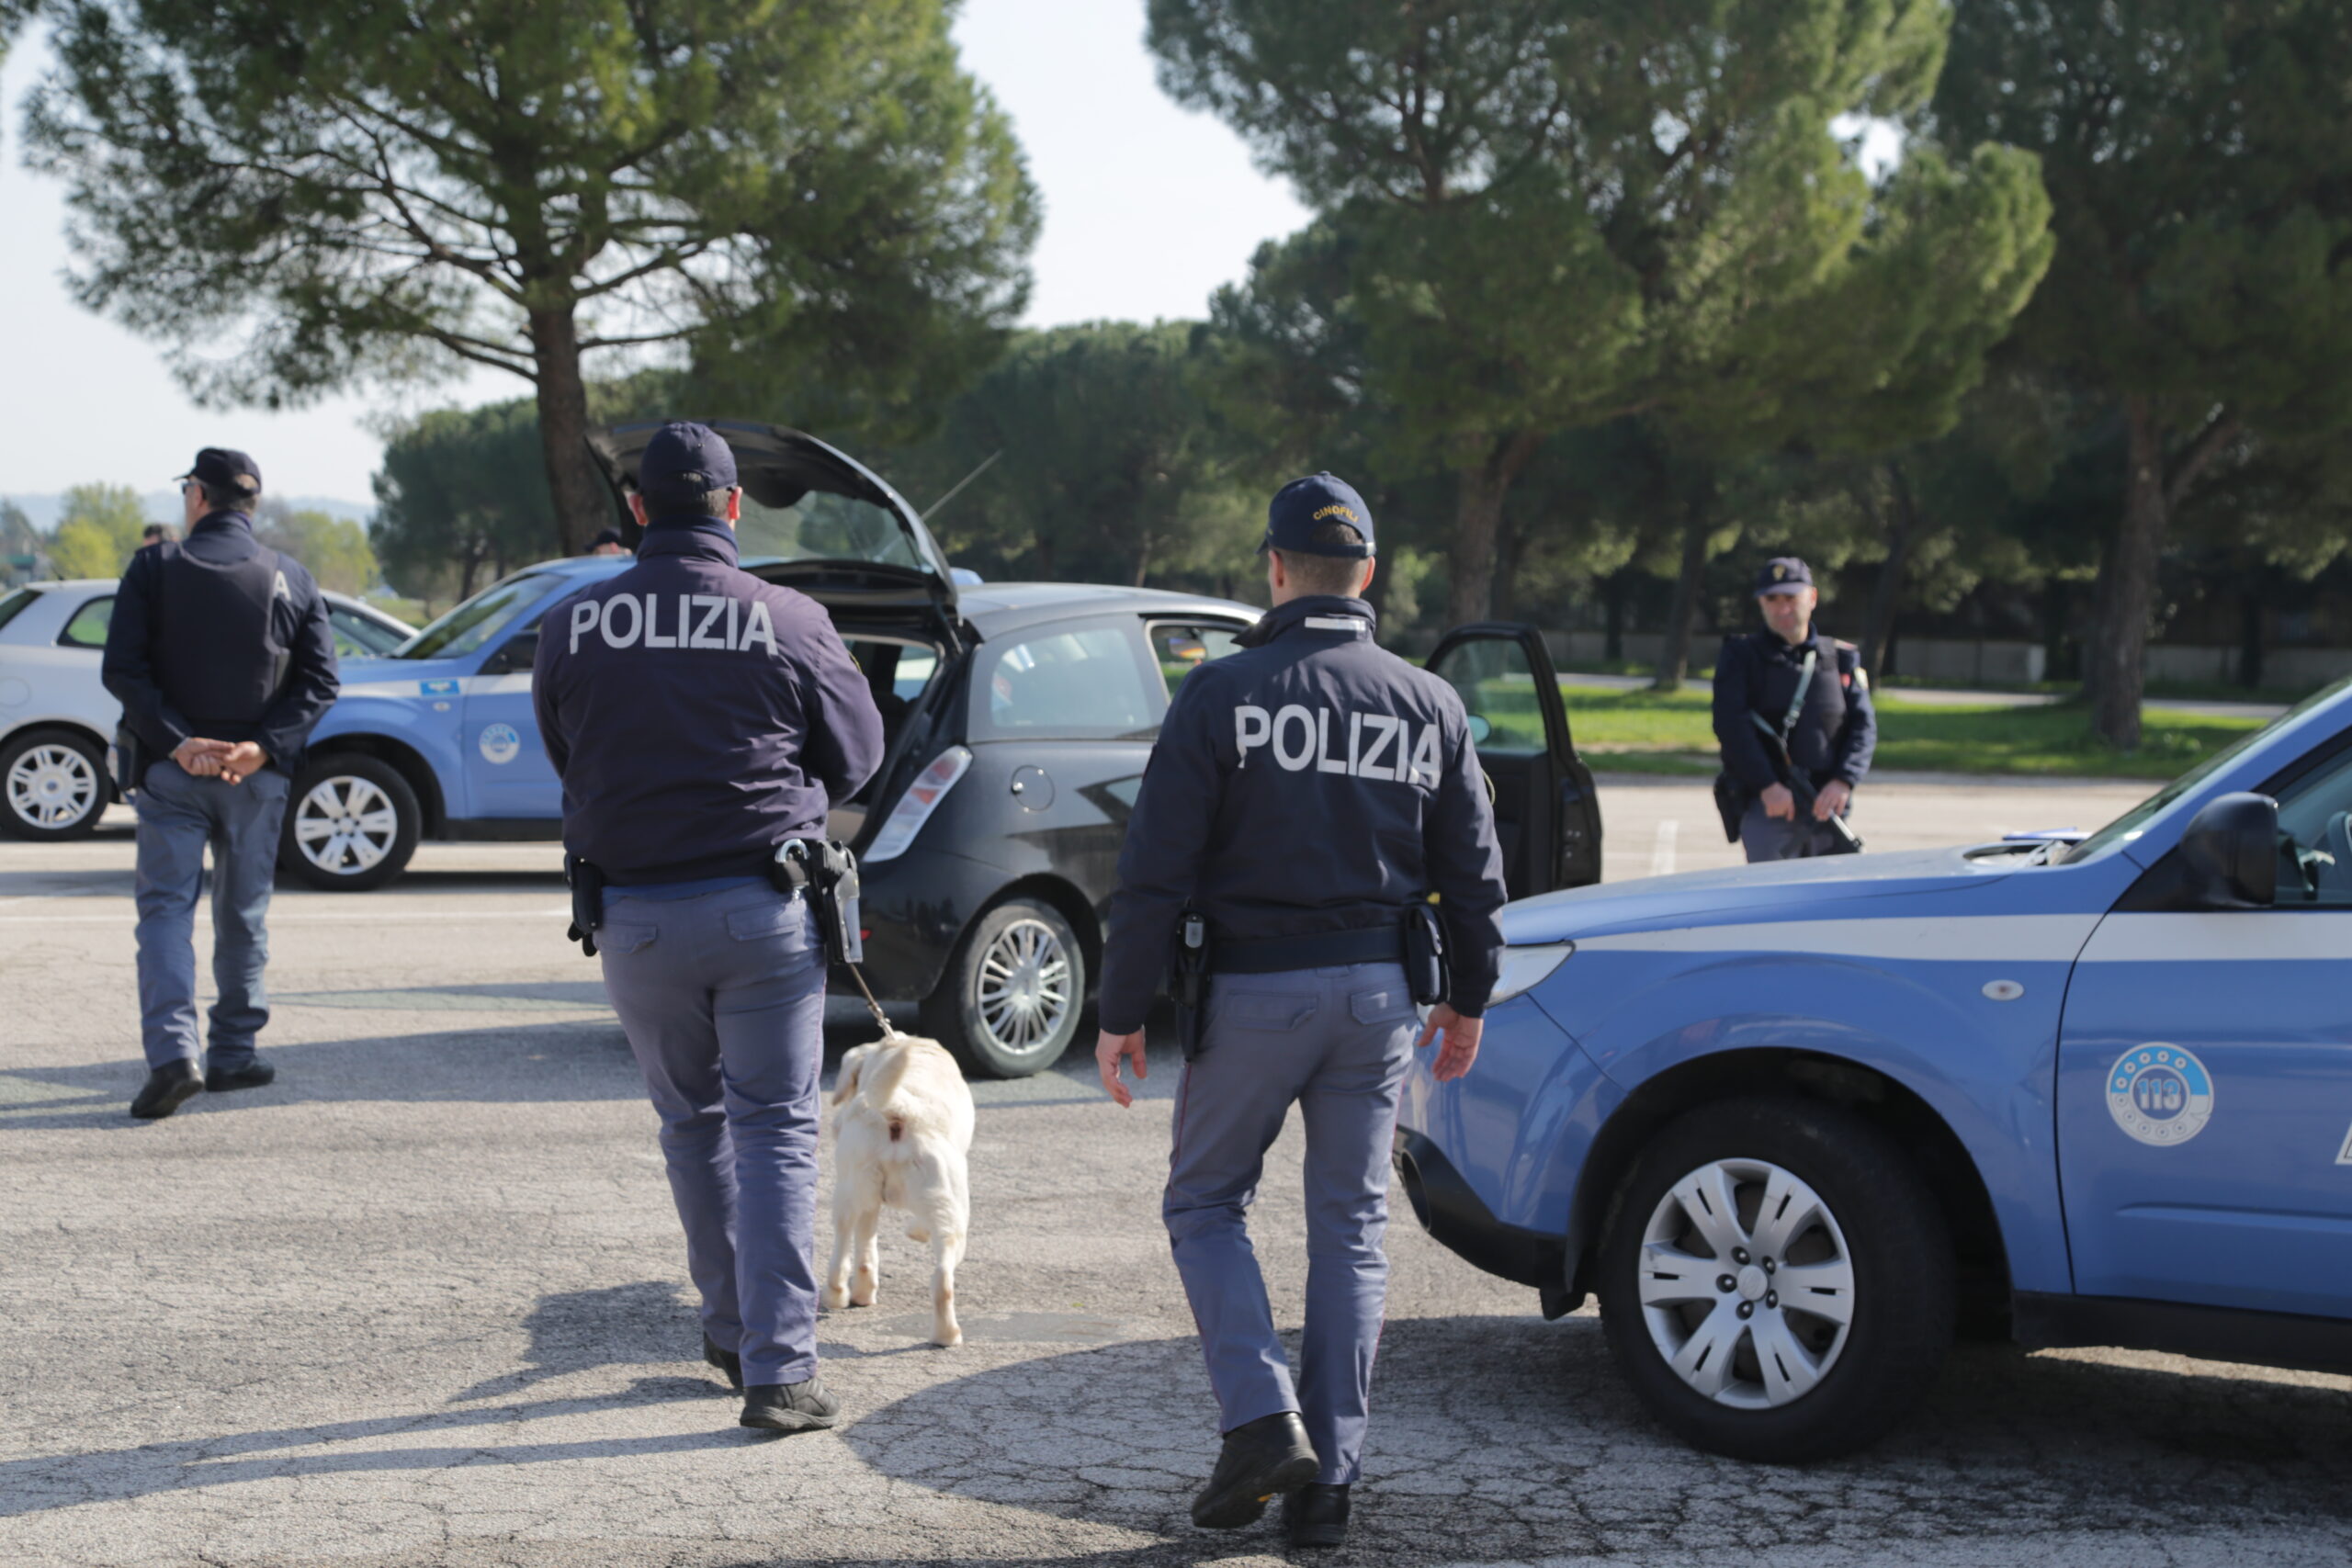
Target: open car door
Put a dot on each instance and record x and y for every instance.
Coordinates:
(1545, 812)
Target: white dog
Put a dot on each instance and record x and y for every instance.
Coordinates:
(902, 1128)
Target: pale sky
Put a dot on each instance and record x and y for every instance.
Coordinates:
(1147, 210)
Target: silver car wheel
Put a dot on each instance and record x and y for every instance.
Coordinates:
(1025, 990)
(53, 787)
(345, 825)
(1747, 1286)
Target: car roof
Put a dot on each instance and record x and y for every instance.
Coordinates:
(995, 608)
(88, 585)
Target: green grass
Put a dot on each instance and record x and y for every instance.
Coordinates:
(1642, 731)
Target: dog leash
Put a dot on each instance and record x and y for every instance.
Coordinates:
(889, 1030)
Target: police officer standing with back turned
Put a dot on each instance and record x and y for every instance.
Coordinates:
(221, 656)
(699, 718)
(1306, 796)
(1793, 714)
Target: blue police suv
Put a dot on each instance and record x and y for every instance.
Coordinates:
(1017, 720)
(1794, 1123)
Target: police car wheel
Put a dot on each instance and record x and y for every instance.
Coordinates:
(351, 824)
(1009, 1004)
(1778, 1283)
(52, 785)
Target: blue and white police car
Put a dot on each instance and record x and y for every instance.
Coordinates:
(1791, 1124)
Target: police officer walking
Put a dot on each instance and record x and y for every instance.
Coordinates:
(1793, 714)
(1307, 794)
(700, 718)
(221, 656)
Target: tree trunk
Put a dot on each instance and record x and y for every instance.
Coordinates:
(1613, 600)
(1902, 526)
(583, 502)
(1477, 526)
(1674, 657)
(2250, 630)
(2115, 669)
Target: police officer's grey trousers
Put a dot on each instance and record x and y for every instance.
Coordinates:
(1776, 838)
(1337, 1041)
(723, 997)
(179, 814)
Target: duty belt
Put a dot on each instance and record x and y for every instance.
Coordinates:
(1322, 949)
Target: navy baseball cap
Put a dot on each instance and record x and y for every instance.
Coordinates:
(1782, 574)
(682, 464)
(1304, 505)
(221, 468)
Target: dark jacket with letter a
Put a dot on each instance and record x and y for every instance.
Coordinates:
(1312, 782)
(222, 638)
(697, 716)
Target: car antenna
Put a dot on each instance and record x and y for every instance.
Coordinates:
(967, 478)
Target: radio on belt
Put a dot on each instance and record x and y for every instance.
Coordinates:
(829, 873)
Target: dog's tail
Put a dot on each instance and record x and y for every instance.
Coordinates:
(885, 1086)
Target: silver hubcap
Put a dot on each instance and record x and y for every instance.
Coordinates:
(1024, 987)
(345, 825)
(53, 787)
(1746, 1287)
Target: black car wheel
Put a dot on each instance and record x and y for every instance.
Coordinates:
(1778, 1283)
(351, 824)
(1009, 1003)
(52, 785)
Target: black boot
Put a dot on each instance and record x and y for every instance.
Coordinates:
(802, 1406)
(252, 1074)
(727, 1361)
(1260, 1458)
(166, 1089)
(1316, 1515)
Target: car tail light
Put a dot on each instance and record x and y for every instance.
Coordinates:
(915, 807)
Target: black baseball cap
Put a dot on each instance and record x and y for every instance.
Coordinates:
(682, 463)
(218, 468)
(1302, 506)
(1782, 574)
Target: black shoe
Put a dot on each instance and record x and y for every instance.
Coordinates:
(727, 1361)
(802, 1406)
(1316, 1515)
(252, 1074)
(1260, 1458)
(166, 1089)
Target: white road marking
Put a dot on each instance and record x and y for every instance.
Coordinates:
(1662, 848)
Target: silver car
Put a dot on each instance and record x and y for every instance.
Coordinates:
(57, 717)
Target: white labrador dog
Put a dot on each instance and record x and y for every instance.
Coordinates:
(902, 1131)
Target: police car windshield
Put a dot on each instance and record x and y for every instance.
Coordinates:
(2126, 827)
(478, 619)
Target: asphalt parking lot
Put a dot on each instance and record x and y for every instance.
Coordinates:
(423, 1302)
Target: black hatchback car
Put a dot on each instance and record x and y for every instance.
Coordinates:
(1019, 716)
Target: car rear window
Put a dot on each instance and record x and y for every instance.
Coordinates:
(15, 605)
(1083, 681)
(88, 626)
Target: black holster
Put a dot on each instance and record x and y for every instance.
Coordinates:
(1191, 974)
(827, 870)
(586, 881)
(1428, 972)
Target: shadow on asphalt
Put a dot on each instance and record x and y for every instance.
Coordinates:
(1492, 1438)
(529, 1052)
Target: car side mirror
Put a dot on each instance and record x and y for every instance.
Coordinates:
(2230, 853)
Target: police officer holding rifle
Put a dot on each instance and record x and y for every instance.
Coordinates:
(1793, 714)
(1312, 851)
(701, 722)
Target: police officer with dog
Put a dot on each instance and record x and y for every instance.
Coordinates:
(1793, 714)
(1313, 854)
(701, 722)
(223, 657)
